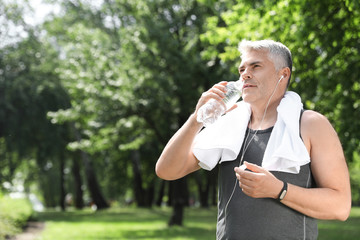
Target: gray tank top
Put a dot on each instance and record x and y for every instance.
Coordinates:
(265, 218)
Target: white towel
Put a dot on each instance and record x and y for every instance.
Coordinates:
(285, 150)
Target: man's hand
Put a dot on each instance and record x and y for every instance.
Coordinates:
(217, 92)
(258, 182)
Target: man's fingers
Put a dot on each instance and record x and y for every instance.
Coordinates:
(217, 91)
(253, 167)
(219, 86)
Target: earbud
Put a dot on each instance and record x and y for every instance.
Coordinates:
(281, 78)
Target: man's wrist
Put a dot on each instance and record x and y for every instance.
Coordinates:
(194, 122)
(283, 191)
(194, 119)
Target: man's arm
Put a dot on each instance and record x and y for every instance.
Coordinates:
(177, 158)
(331, 199)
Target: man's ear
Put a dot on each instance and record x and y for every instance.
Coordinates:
(285, 72)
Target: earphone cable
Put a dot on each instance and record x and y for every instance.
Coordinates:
(246, 147)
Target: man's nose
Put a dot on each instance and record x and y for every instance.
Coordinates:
(246, 74)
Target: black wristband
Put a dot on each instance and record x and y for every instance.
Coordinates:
(283, 192)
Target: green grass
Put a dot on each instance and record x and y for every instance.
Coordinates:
(138, 223)
(348, 230)
(127, 223)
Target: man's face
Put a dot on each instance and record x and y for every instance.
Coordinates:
(259, 76)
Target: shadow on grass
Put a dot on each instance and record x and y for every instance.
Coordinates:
(109, 215)
(128, 223)
(125, 214)
(168, 233)
(138, 223)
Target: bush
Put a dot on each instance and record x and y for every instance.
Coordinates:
(14, 213)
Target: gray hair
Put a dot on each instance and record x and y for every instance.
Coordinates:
(278, 53)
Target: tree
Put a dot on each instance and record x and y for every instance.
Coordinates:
(166, 51)
(29, 92)
(103, 87)
(325, 45)
(114, 63)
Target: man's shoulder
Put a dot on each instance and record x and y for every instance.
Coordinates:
(316, 130)
(312, 122)
(311, 116)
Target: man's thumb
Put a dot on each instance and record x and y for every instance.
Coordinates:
(253, 167)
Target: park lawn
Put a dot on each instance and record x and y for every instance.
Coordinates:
(348, 230)
(127, 223)
(139, 223)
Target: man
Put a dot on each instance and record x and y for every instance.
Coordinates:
(293, 169)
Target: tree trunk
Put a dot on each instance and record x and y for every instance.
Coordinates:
(161, 193)
(138, 188)
(92, 183)
(170, 195)
(150, 192)
(213, 184)
(78, 199)
(177, 215)
(180, 196)
(62, 183)
(207, 182)
(203, 182)
(143, 196)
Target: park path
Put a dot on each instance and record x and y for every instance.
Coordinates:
(31, 231)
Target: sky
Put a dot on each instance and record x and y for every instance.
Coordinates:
(33, 15)
(41, 10)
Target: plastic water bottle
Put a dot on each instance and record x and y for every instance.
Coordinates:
(212, 110)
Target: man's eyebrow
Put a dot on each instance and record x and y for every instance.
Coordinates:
(250, 64)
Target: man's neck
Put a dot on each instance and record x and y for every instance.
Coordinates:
(261, 121)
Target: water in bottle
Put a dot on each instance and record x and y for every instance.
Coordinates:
(212, 110)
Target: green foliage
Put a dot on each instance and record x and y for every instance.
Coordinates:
(324, 39)
(14, 213)
(131, 85)
(121, 77)
(355, 179)
(29, 88)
